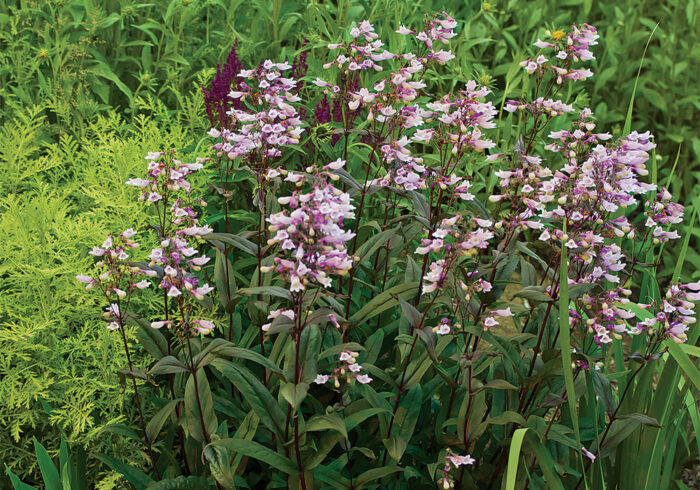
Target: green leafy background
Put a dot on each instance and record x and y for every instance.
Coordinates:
(88, 87)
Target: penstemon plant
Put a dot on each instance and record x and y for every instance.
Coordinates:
(404, 298)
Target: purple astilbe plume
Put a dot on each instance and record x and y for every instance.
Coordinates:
(299, 69)
(216, 98)
(300, 65)
(322, 113)
(310, 232)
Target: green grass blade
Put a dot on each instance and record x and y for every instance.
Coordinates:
(565, 346)
(685, 363)
(630, 108)
(673, 169)
(513, 457)
(686, 240)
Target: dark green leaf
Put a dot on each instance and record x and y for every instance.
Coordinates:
(200, 419)
(239, 242)
(534, 293)
(49, 473)
(168, 365)
(156, 423)
(256, 395)
(294, 394)
(225, 278)
(326, 422)
(375, 474)
(135, 476)
(258, 451)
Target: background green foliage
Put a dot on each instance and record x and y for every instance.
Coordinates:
(88, 87)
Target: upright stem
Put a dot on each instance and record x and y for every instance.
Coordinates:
(261, 224)
(138, 402)
(171, 380)
(297, 378)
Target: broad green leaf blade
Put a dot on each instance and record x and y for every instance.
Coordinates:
(200, 419)
(258, 451)
(49, 472)
(17, 484)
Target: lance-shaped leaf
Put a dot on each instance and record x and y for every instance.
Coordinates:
(49, 473)
(150, 338)
(405, 421)
(135, 476)
(294, 393)
(159, 419)
(375, 474)
(219, 458)
(221, 348)
(168, 365)
(255, 394)
(239, 242)
(199, 407)
(534, 293)
(326, 422)
(383, 302)
(225, 279)
(267, 290)
(255, 450)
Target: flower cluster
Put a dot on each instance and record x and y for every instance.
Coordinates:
(438, 29)
(461, 242)
(311, 230)
(663, 213)
(348, 369)
(676, 314)
(490, 320)
(396, 119)
(463, 119)
(596, 181)
(275, 121)
(452, 460)
(362, 53)
(217, 99)
(165, 175)
(606, 315)
(460, 122)
(279, 313)
(565, 49)
(176, 258)
(115, 277)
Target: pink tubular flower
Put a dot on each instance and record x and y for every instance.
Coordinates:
(588, 454)
(175, 260)
(204, 326)
(452, 460)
